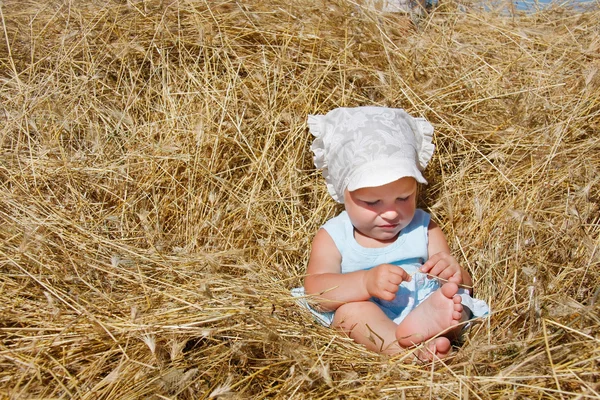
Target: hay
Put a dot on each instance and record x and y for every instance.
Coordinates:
(157, 195)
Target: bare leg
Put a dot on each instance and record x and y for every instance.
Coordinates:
(366, 323)
(439, 312)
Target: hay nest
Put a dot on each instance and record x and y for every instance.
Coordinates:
(158, 199)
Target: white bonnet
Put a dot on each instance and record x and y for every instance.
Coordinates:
(369, 146)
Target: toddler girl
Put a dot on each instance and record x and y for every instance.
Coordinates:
(382, 271)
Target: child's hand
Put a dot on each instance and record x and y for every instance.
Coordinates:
(383, 281)
(445, 266)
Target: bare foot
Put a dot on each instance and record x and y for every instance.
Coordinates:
(437, 348)
(437, 313)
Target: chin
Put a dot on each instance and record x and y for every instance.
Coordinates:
(386, 235)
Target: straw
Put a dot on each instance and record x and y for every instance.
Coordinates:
(158, 198)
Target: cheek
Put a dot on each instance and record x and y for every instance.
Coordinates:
(363, 215)
(408, 209)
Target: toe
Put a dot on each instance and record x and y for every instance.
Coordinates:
(449, 289)
(437, 348)
(440, 346)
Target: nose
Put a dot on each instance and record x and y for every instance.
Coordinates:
(389, 214)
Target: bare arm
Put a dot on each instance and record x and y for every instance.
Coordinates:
(324, 277)
(441, 263)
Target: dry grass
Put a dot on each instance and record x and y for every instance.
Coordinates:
(158, 199)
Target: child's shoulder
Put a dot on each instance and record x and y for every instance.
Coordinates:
(420, 213)
(339, 222)
(420, 219)
(340, 229)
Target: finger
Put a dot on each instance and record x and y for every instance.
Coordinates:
(433, 261)
(386, 285)
(400, 273)
(453, 270)
(448, 272)
(387, 296)
(393, 279)
(392, 288)
(456, 278)
(443, 269)
(430, 263)
(397, 279)
(439, 268)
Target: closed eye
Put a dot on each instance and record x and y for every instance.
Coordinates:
(371, 203)
(402, 198)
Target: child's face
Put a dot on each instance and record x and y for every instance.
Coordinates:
(381, 212)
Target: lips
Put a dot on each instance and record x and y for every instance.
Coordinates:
(388, 226)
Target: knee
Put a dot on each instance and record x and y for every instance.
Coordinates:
(347, 315)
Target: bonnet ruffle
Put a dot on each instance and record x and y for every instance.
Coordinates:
(323, 128)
